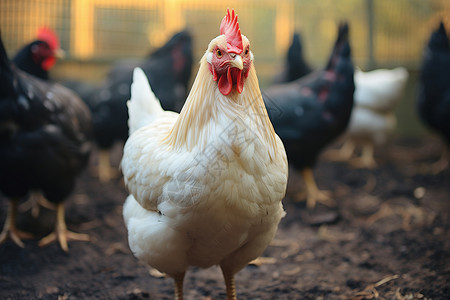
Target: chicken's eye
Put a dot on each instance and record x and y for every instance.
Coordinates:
(219, 53)
(246, 51)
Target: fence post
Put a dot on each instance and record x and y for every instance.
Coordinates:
(371, 63)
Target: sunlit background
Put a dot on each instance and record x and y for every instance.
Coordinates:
(95, 33)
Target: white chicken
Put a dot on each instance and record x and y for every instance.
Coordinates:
(205, 185)
(372, 120)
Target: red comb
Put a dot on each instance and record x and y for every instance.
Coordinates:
(47, 35)
(230, 27)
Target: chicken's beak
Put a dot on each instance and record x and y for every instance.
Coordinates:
(237, 62)
(60, 53)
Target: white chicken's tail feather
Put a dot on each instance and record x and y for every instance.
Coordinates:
(143, 107)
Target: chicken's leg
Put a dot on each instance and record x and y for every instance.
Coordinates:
(342, 154)
(10, 229)
(179, 279)
(229, 284)
(61, 233)
(366, 159)
(105, 172)
(313, 193)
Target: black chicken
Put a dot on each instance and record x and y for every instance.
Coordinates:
(45, 132)
(309, 113)
(433, 103)
(37, 57)
(295, 66)
(168, 70)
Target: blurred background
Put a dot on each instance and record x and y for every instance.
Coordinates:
(96, 33)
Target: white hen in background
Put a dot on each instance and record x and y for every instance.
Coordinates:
(376, 95)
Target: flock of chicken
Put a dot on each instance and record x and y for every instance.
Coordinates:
(206, 176)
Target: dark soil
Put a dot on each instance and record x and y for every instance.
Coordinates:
(387, 238)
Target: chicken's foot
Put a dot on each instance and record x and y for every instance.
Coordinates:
(366, 160)
(10, 230)
(315, 195)
(61, 233)
(342, 154)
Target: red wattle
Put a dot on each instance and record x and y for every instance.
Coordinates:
(239, 82)
(48, 63)
(225, 83)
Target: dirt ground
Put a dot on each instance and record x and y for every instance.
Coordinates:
(387, 238)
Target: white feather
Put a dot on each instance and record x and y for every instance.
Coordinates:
(376, 94)
(379, 89)
(143, 107)
(368, 124)
(150, 237)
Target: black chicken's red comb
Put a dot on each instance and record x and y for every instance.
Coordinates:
(47, 35)
(230, 27)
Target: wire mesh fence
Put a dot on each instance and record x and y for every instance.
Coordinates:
(383, 32)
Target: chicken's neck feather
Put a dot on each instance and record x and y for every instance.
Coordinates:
(205, 105)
